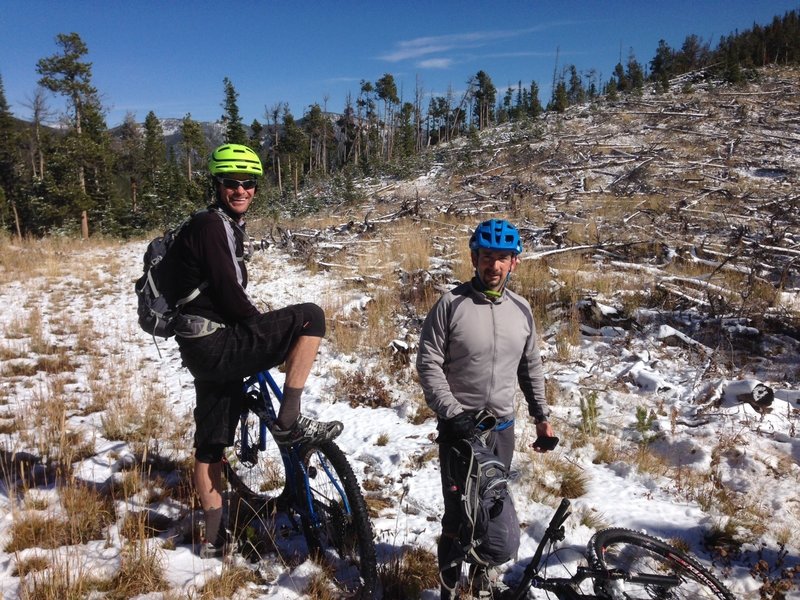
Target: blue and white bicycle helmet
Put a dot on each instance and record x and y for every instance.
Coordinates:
(496, 234)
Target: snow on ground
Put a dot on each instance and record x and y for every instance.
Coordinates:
(760, 460)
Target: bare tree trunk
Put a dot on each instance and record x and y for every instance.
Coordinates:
(133, 193)
(32, 156)
(85, 225)
(16, 221)
(418, 114)
(325, 134)
(40, 113)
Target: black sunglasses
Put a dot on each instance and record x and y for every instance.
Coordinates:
(233, 184)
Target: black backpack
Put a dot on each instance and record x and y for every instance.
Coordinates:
(489, 532)
(156, 315)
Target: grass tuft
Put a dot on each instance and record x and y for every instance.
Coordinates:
(409, 573)
(231, 580)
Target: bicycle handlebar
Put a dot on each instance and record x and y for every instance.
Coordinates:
(554, 532)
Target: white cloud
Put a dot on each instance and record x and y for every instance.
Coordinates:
(411, 49)
(425, 46)
(435, 63)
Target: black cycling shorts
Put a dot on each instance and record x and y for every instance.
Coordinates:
(220, 361)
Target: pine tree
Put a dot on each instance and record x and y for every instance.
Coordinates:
(83, 147)
(320, 135)
(273, 146)
(485, 98)
(662, 66)
(254, 139)
(560, 100)
(66, 74)
(99, 159)
(439, 114)
(347, 129)
(534, 105)
(293, 147)
(693, 55)
(622, 83)
(155, 148)
(234, 130)
(634, 72)
(386, 90)
(8, 167)
(406, 135)
(575, 93)
(507, 112)
(154, 194)
(193, 154)
(367, 148)
(130, 157)
(193, 146)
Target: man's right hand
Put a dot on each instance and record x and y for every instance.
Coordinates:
(460, 427)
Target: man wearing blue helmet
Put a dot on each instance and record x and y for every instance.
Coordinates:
(478, 341)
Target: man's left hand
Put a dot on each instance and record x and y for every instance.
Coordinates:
(543, 430)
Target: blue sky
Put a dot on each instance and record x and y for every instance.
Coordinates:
(171, 57)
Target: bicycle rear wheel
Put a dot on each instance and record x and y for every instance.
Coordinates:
(256, 477)
(342, 540)
(644, 559)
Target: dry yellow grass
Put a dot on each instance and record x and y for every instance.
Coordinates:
(50, 257)
(409, 573)
(141, 571)
(61, 581)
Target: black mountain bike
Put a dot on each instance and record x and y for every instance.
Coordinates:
(312, 484)
(622, 565)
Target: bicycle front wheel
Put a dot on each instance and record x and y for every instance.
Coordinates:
(649, 567)
(340, 536)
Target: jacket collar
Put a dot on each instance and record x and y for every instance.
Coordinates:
(481, 292)
(221, 208)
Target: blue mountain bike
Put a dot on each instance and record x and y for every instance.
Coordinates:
(312, 484)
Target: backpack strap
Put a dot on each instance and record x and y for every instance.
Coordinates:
(193, 326)
(199, 289)
(246, 245)
(192, 295)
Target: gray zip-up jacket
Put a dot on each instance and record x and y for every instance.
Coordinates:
(473, 350)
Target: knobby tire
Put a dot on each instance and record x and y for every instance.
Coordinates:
(343, 542)
(639, 554)
(265, 477)
(258, 483)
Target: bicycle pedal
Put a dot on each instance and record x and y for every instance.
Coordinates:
(249, 457)
(209, 550)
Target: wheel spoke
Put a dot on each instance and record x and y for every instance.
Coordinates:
(641, 566)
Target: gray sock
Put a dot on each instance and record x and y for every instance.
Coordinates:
(290, 407)
(213, 522)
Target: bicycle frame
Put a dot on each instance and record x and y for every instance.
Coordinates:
(555, 533)
(292, 464)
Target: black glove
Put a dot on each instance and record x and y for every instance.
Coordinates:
(460, 427)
